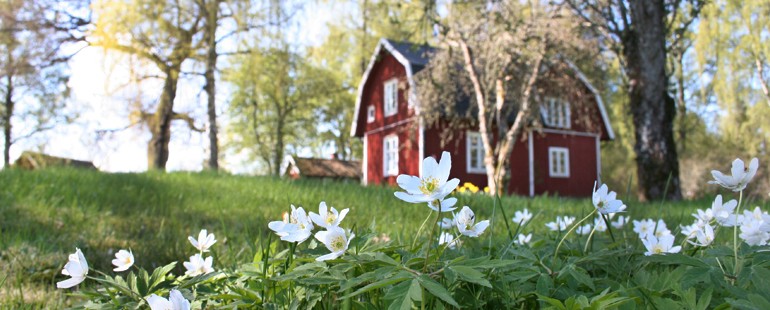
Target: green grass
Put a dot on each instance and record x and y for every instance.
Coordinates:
(44, 215)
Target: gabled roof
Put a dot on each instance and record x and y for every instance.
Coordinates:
(323, 168)
(32, 161)
(415, 57)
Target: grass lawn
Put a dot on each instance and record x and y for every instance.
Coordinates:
(44, 215)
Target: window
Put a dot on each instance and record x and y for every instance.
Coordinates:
(390, 99)
(558, 162)
(556, 113)
(370, 114)
(390, 155)
(474, 152)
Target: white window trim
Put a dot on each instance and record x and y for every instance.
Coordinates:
(390, 110)
(552, 151)
(468, 165)
(563, 110)
(386, 171)
(370, 114)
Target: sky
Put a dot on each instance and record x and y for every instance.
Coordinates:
(102, 134)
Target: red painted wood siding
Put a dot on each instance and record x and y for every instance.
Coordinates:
(582, 164)
(400, 124)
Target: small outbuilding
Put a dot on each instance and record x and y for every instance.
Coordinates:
(318, 168)
(34, 161)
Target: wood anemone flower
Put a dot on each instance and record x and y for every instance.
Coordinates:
(76, 268)
(465, 220)
(605, 201)
(741, 175)
(123, 260)
(204, 241)
(336, 240)
(433, 185)
(328, 217)
(175, 301)
(296, 228)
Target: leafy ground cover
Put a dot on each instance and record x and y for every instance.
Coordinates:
(44, 215)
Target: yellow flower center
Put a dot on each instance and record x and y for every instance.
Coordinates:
(127, 260)
(338, 243)
(657, 249)
(429, 185)
(331, 218)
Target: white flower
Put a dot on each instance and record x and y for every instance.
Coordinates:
(198, 266)
(123, 260)
(690, 231)
(560, 224)
(752, 232)
(620, 222)
(522, 217)
(605, 202)
(723, 213)
(76, 268)
(204, 241)
(336, 240)
(297, 229)
(175, 301)
(447, 223)
(662, 230)
(523, 239)
(465, 220)
(704, 215)
(660, 245)
(448, 239)
(583, 230)
(431, 186)
(644, 227)
(704, 235)
(600, 224)
(326, 218)
(741, 175)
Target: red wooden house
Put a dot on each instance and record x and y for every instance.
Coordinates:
(560, 157)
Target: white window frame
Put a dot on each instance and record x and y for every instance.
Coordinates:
(478, 149)
(390, 97)
(390, 155)
(370, 114)
(556, 113)
(554, 154)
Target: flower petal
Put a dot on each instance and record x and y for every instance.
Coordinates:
(412, 198)
(409, 183)
(70, 282)
(429, 167)
(444, 165)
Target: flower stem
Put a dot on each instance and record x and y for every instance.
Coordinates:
(576, 225)
(430, 237)
(419, 231)
(735, 234)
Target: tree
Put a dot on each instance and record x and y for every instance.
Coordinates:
(636, 31)
(163, 33)
(33, 37)
(273, 104)
(502, 49)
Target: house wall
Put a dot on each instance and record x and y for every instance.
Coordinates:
(400, 124)
(582, 164)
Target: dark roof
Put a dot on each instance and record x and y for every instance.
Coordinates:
(327, 168)
(418, 55)
(33, 161)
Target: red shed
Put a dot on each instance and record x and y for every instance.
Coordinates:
(560, 157)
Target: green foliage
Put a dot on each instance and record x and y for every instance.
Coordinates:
(46, 213)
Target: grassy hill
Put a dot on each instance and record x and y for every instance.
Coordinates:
(44, 215)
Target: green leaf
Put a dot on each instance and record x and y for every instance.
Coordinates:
(676, 259)
(415, 291)
(398, 277)
(471, 275)
(555, 303)
(437, 290)
(695, 275)
(580, 275)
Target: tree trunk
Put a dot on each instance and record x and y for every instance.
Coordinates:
(7, 126)
(652, 107)
(278, 153)
(211, 67)
(160, 124)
